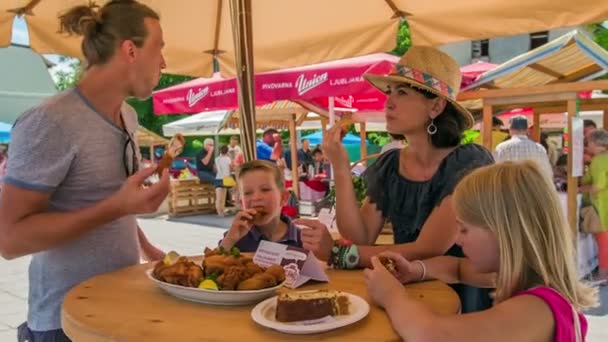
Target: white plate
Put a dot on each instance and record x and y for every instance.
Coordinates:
(264, 314)
(205, 296)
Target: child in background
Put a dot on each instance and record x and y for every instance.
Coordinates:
(516, 238)
(263, 195)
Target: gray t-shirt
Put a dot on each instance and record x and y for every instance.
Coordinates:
(65, 148)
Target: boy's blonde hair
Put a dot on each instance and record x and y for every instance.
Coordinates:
(521, 207)
(263, 165)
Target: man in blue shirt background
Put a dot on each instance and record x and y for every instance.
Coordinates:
(268, 145)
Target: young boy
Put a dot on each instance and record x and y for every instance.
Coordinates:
(263, 195)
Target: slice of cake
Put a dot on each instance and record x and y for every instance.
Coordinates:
(309, 305)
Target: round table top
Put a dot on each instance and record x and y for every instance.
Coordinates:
(127, 306)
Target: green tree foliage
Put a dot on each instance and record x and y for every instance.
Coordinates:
(65, 79)
(404, 39)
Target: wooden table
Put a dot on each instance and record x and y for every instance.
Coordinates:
(126, 306)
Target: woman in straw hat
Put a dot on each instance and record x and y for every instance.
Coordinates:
(410, 187)
(514, 233)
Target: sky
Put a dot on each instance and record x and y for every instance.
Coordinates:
(20, 36)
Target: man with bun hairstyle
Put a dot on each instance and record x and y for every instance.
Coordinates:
(75, 211)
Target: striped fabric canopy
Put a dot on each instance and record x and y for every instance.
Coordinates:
(570, 58)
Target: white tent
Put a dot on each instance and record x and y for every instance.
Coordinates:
(24, 81)
(206, 123)
(211, 123)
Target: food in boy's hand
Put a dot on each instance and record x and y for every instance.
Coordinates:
(221, 269)
(388, 263)
(260, 213)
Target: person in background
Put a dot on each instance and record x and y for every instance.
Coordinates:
(70, 195)
(397, 141)
(233, 148)
(223, 165)
(520, 147)
(269, 148)
(305, 154)
(550, 147)
(498, 135)
(318, 161)
(560, 173)
(205, 162)
(516, 238)
(596, 181)
(263, 193)
(588, 127)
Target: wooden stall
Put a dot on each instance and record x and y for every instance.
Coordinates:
(547, 79)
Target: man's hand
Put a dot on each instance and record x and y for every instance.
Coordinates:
(134, 198)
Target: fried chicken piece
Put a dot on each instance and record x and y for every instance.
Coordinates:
(214, 264)
(277, 272)
(252, 269)
(231, 277)
(210, 252)
(183, 272)
(257, 282)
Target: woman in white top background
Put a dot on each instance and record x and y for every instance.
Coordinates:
(223, 165)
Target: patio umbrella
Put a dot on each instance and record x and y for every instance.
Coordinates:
(342, 79)
(291, 33)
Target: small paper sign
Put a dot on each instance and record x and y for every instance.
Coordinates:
(300, 265)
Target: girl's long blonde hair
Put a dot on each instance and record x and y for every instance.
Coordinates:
(519, 205)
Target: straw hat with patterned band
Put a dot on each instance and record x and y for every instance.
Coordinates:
(429, 69)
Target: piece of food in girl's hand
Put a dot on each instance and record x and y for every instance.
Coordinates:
(388, 263)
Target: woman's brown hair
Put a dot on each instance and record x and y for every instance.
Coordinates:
(103, 29)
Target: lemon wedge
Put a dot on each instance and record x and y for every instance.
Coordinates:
(208, 284)
(171, 258)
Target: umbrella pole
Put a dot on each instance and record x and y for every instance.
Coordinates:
(295, 172)
(240, 11)
(332, 113)
(363, 136)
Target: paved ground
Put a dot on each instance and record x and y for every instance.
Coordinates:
(188, 239)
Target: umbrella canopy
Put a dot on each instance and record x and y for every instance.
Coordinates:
(313, 82)
(5, 133)
(292, 33)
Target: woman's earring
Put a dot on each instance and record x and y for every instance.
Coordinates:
(431, 129)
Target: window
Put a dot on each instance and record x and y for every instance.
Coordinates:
(480, 50)
(538, 39)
